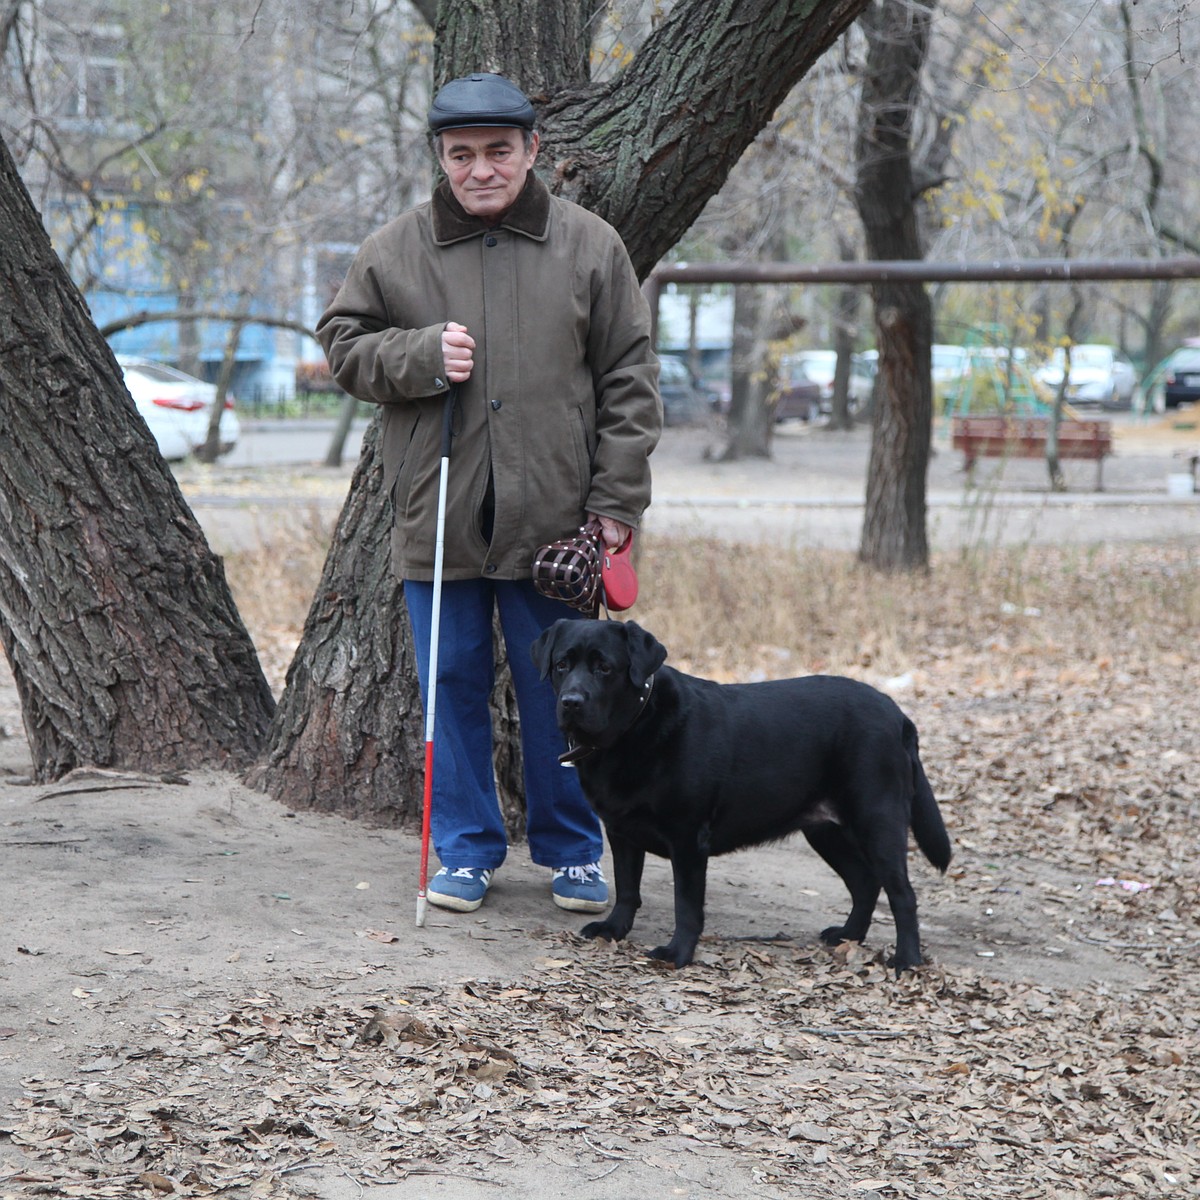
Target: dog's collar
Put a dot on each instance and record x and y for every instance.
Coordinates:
(579, 750)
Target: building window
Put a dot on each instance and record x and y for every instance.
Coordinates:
(94, 76)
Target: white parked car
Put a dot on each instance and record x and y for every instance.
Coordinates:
(176, 407)
(949, 365)
(819, 366)
(1100, 375)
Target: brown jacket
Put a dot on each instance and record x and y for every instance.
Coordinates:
(562, 409)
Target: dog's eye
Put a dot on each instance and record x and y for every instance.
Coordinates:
(602, 668)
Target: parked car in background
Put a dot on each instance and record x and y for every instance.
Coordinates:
(1181, 377)
(819, 366)
(950, 364)
(176, 407)
(684, 401)
(798, 398)
(1099, 376)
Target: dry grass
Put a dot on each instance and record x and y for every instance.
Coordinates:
(752, 612)
(749, 612)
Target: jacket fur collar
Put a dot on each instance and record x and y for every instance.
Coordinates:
(530, 214)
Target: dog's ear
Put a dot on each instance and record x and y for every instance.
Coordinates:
(542, 650)
(646, 653)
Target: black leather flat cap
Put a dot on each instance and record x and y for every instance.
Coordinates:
(480, 99)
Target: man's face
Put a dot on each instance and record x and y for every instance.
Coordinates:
(487, 167)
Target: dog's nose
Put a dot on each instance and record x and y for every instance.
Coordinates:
(570, 703)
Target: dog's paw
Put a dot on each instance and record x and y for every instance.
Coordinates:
(678, 956)
(833, 936)
(603, 929)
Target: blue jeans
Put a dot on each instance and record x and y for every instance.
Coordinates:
(466, 825)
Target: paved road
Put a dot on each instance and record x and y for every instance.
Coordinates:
(810, 493)
(281, 443)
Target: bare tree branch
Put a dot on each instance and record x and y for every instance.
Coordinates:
(134, 320)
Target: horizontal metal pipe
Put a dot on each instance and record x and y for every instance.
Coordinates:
(1032, 270)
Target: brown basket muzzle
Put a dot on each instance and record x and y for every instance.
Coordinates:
(569, 570)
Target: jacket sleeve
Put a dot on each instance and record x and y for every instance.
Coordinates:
(369, 357)
(629, 414)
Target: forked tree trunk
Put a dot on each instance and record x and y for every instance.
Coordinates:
(349, 732)
(122, 636)
(894, 534)
(646, 153)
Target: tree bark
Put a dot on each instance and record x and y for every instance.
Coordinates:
(122, 636)
(341, 431)
(648, 150)
(750, 422)
(348, 733)
(894, 534)
(845, 333)
(646, 153)
(210, 450)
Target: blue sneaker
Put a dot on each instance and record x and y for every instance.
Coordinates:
(462, 889)
(580, 889)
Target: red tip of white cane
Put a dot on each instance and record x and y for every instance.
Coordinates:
(421, 902)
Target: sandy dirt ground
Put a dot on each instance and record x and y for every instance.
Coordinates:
(202, 993)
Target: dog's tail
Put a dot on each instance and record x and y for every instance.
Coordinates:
(927, 825)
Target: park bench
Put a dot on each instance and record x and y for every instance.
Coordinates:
(1025, 437)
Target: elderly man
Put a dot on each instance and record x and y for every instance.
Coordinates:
(530, 305)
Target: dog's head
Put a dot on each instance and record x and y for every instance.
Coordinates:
(600, 671)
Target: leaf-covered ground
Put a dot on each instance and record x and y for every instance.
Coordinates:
(1050, 1049)
(819, 1070)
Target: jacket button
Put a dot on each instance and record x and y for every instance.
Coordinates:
(490, 240)
(439, 384)
(490, 569)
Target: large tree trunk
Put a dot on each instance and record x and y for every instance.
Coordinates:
(122, 636)
(349, 732)
(646, 152)
(894, 534)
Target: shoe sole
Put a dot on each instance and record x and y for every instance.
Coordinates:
(454, 903)
(571, 904)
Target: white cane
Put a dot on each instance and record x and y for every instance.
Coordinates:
(434, 633)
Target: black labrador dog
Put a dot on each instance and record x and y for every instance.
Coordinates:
(685, 768)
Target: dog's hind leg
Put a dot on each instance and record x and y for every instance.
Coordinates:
(837, 848)
(903, 901)
(628, 862)
(887, 851)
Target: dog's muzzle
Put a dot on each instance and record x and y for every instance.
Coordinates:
(577, 749)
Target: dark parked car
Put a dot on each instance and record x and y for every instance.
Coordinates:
(1181, 381)
(799, 395)
(685, 402)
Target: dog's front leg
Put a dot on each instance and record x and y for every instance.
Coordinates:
(690, 869)
(628, 861)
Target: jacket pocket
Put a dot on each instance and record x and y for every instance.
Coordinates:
(405, 465)
(584, 452)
